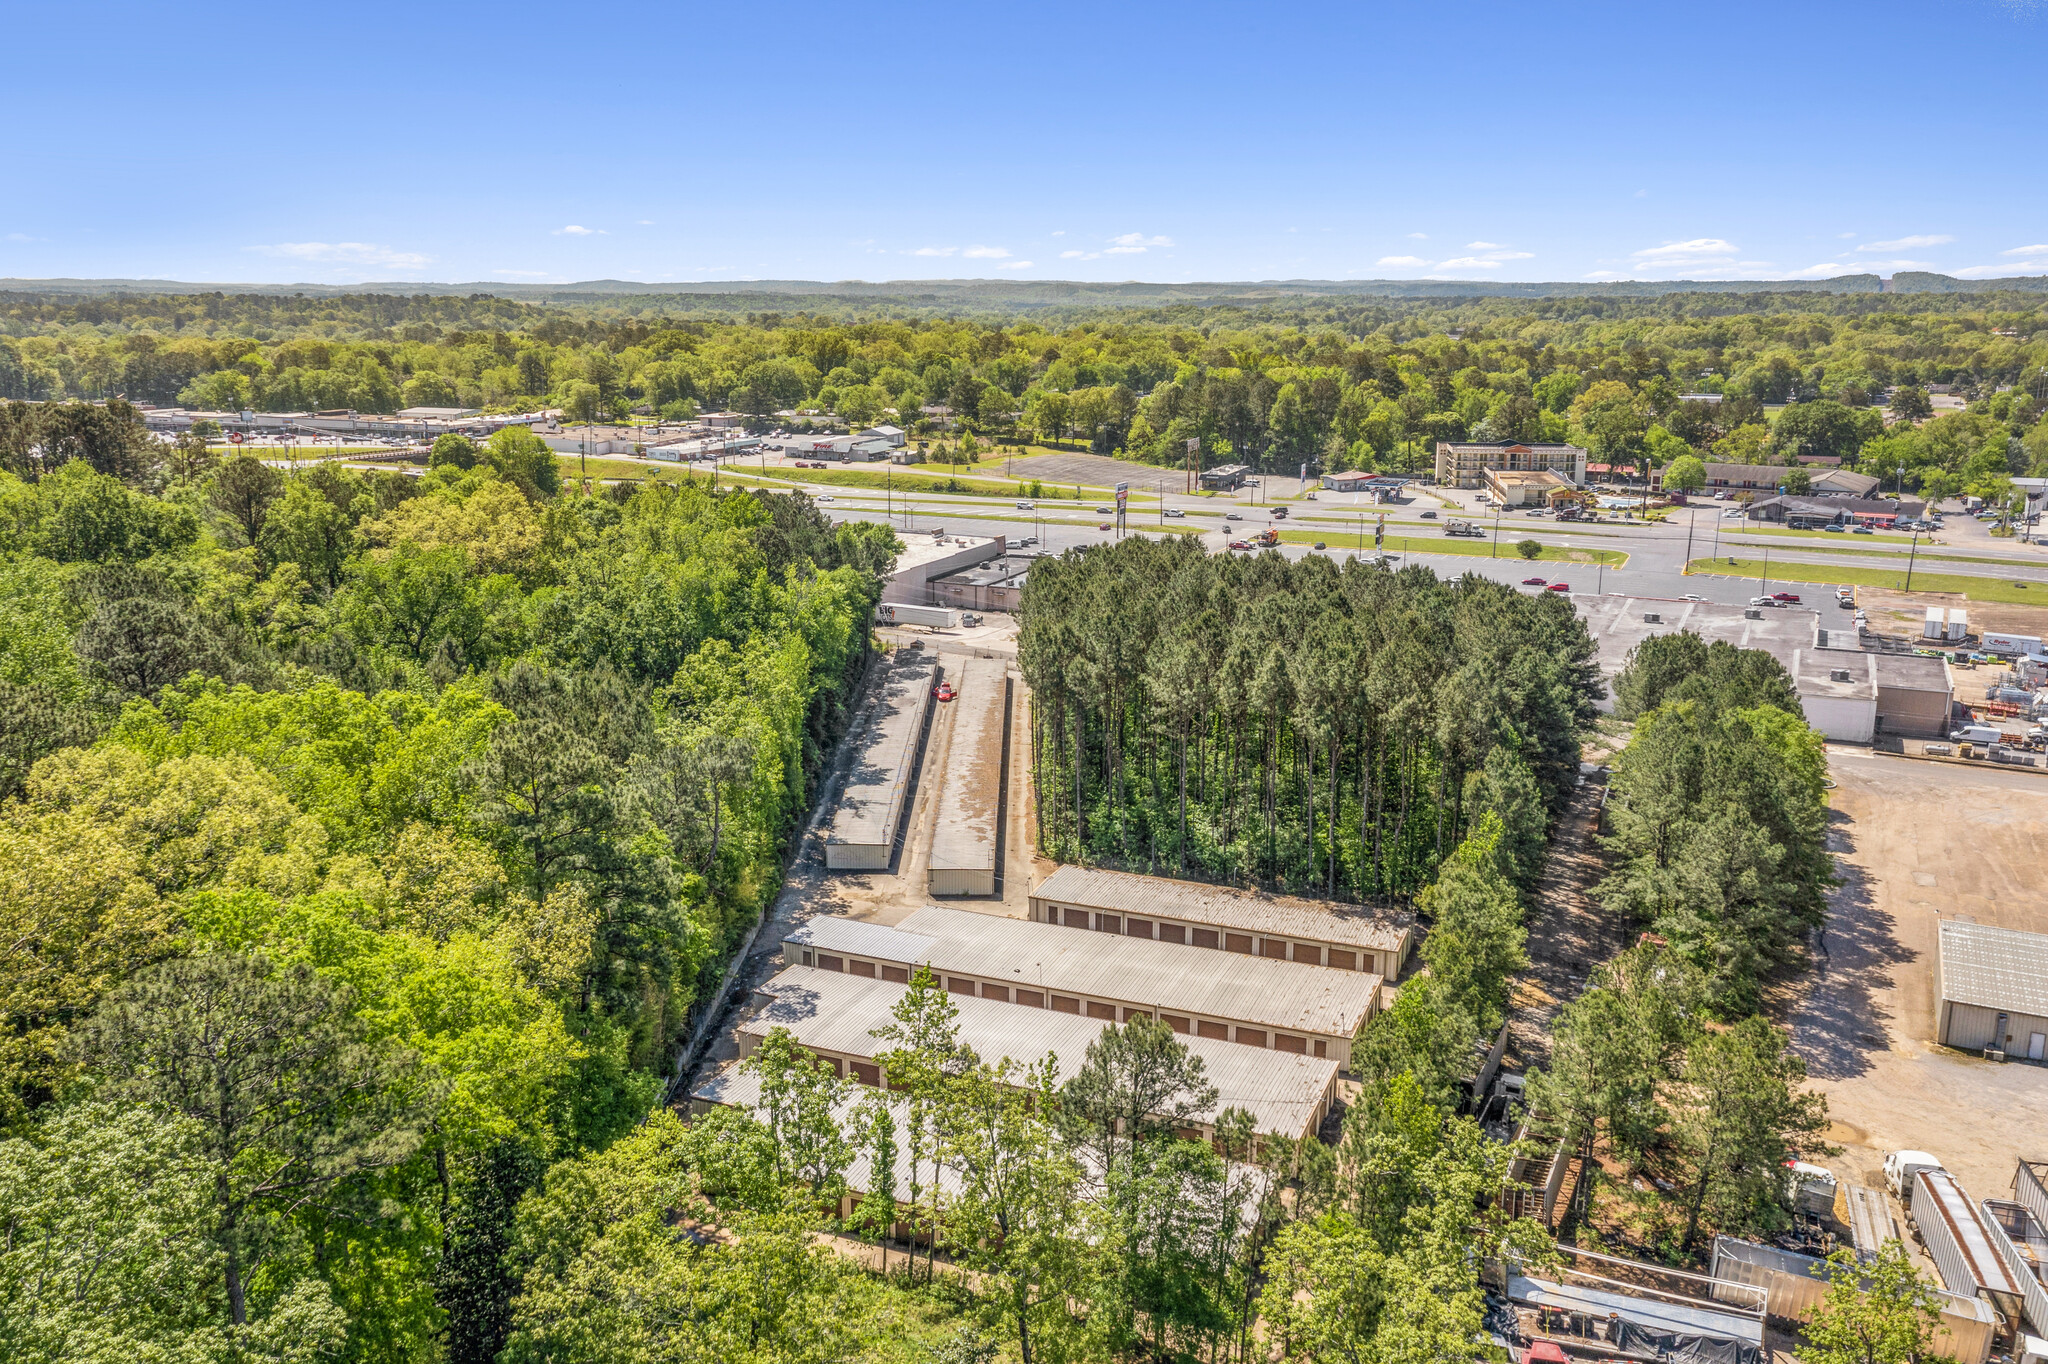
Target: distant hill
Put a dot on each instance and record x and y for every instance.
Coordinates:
(1042, 293)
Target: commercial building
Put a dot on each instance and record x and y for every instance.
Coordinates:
(1225, 478)
(1307, 1010)
(997, 585)
(868, 816)
(1992, 990)
(1358, 481)
(1849, 694)
(836, 1016)
(892, 435)
(926, 560)
(967, 818)
(1464, 464)
(1534, 487)
(1811, 511)
(1275, 927)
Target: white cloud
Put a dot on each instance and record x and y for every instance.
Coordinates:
(2016, 267)
(578, 230)
(2026, 251)
(1418, 236)
(934, 251)
(1604, 274)
(1080, 255)
(1061, 233)
(1906, 243)
(1015, 265)
(1406, 262)
(1844, 236)
(1468, 263)
(1138, 241)
(1123, 251)
(1482, 246)
(644, 222)
(19, 237)
(1825, 270)
(346, 253)
(986, 253)
(1680, 253)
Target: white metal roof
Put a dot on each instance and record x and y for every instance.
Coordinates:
(880, 773)
(970, 791)
(1994, 968)
(831, 1011)
(1194, 980)
(1965, 1222)
(1226, 907)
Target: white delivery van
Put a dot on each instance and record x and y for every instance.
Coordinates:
(1901, 1166)
(1974, 734)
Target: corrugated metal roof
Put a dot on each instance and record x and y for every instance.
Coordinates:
(1226, 907)
(872, 798)
(964, 829)
(834, 1012)
(1994, 968)
(1965, 1225)
(1106, 966)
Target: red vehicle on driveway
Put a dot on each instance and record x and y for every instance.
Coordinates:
(1786, 596)
(944, 691)
(1560, 587)
(1535, 582)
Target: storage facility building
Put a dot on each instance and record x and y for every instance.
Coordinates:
(835, 1016)
(1993, 990)
(869, 813)
(1278, 927)
(1308, 1010)
(966, 818)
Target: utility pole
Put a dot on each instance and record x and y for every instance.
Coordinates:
(1496, 534)
(1911, 555)
(1688, 539)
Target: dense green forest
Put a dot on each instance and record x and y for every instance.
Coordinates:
(1332, 382)
(1305, 725)
(365, 843)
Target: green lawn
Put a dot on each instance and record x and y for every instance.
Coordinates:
(1458, 545)
(1820, 536)
(1975, 588)
(1898, 551)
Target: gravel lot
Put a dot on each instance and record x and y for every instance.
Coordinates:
(1914, 842)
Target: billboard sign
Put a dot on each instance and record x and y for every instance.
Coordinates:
(1123, 502)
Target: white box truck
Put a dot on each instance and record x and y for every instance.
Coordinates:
(2010, 646)
(1901, 1166)
(902, 613)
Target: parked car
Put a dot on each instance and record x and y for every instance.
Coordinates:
(1027, 506)
(1765, 601)
(1429, 516)
(1320, 545)
(1559, 587)
(1833, 528)
(1861, 530)
(1692, 596)
(943, 692)
(1240, 544)
(1786, 596)
(1535, 582)
(1107, 525)
(1174, 512)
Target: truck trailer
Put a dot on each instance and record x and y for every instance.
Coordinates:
(1960, 1240)
(902, 613)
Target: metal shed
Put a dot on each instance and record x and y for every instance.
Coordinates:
(1993, 990)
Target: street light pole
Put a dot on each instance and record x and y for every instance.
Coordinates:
(1911, 555)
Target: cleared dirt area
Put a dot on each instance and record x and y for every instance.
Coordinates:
(1915, 842)
(1099, 471)
(1902, 613)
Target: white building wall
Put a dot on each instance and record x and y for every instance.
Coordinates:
(1844, 719)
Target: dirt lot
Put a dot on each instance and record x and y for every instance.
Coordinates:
(1900, 613)
(1916, 842)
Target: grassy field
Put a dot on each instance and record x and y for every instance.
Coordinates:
(1821, 536)
(1925, 555)
(1459, 546)
(2004, 590)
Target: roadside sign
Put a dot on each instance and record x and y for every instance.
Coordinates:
(1379, 532)
(235, 437)
(1123, 502)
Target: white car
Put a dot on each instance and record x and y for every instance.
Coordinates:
(826, 497)
(1027, 506)
(1175, 511)
(1765, 601)
(1692, 596)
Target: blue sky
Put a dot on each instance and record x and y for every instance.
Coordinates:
(514, 142)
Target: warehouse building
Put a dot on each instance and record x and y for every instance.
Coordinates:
(1308, 1010)
(1993, 990)
(868, 816)
(967, 819)
(1277, 927)
(835, 1016)
(1849, 694)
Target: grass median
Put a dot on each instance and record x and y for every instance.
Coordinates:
(2006, 590)
(1461, 547)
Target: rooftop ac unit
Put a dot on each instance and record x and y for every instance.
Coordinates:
(1652, 618)
(1752, 613)
(1838, 675)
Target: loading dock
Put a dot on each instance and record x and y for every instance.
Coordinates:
(966, 820)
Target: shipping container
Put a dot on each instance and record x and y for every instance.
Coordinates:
(1931, 628)
(1958, 623)
(2010, 646)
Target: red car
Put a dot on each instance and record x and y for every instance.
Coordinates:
(1535, 582)
(944, 691)
(1240, 544)
(1560, 587)
(1785, 596)
(1107, 525)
